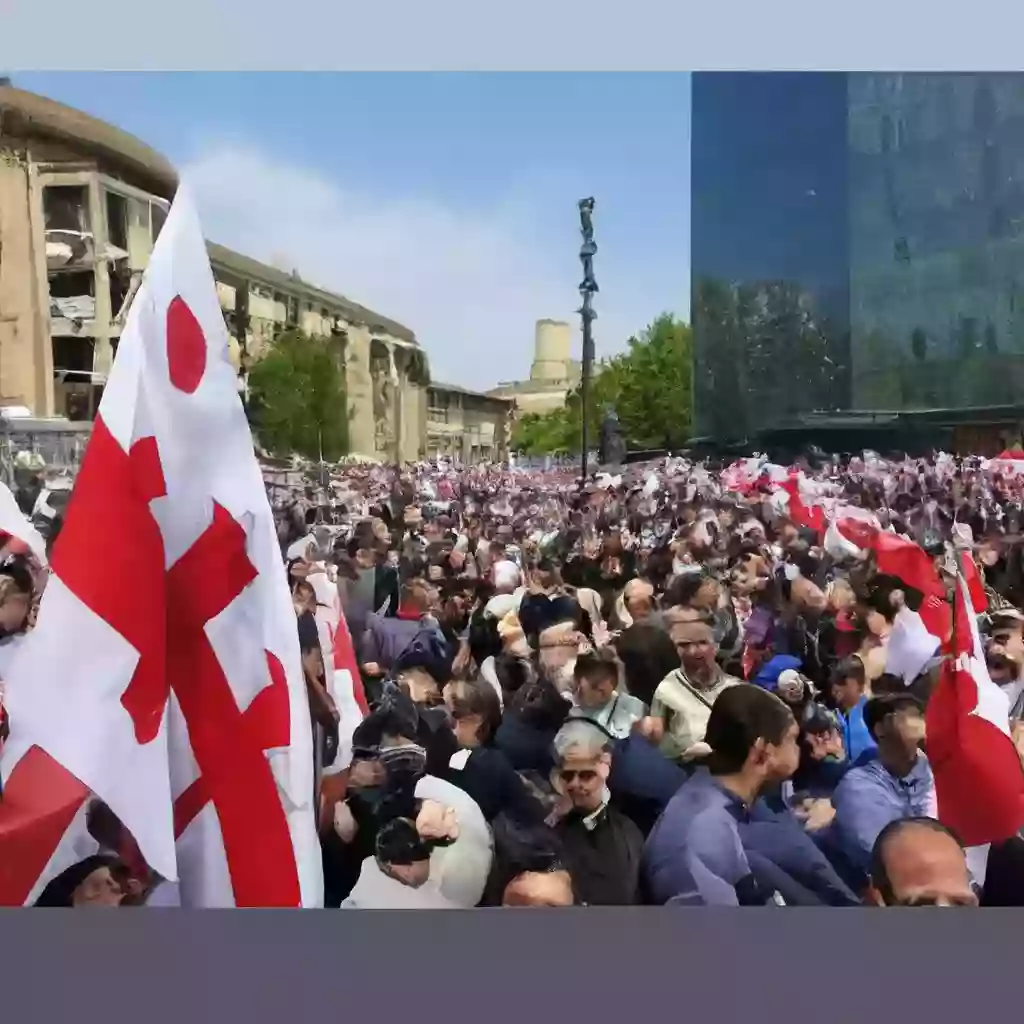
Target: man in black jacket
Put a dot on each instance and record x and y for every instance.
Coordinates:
(600, 846)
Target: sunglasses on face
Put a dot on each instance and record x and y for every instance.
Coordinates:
(568, 775)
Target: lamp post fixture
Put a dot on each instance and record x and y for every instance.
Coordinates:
(588, 289)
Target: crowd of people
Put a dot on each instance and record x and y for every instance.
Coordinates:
(663, 687)
(660, 688)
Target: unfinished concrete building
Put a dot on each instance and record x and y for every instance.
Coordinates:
(467, 426)
(81, 205)
(386, 371)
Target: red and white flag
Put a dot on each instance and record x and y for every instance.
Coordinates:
(979, 781)
(164, 674)
(901, 558)
(348, 693)
(1009, 463)
(835, 542)
(810, 516)
(17, 534)
(344, 682)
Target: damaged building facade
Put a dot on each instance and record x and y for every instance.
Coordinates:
(81, 206)
(467, 425)
(386, 370)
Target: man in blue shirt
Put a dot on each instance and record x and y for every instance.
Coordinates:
(896, 783)
(695, 855)
(848, 685)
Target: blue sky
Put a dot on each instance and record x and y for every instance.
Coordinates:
(446, 201)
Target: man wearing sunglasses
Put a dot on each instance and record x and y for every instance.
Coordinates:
(600, 846)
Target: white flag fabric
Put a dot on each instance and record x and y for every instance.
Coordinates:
(911, 647)
(164, 673)
(836, 544)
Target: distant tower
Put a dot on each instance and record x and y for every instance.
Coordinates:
(552, 352)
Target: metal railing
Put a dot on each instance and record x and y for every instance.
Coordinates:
(59, 444)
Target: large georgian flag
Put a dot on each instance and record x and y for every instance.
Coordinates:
(164, 674)
(979, 780)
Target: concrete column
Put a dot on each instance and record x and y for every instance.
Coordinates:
(103, 353)
(23, 330)
(45, 404)
(413, 439)
(395, 412)
(359, 385)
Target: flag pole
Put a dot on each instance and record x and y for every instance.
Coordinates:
(588, 288)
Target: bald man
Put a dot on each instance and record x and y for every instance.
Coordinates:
(539, 889)
(918, 862)
(638, 604)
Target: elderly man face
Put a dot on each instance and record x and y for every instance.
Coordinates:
(695, 643)
(921, 866)
(583, 767)
(638, 598)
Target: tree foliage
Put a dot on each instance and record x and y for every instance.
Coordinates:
(551, 433)
(297, 402)
(650, 386)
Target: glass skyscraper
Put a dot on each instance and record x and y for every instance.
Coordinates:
(857, 243)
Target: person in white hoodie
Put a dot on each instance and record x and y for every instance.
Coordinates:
(447, 869)
(400, 875)
(447, 819)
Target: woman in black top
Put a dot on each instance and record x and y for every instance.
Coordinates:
(479, 768)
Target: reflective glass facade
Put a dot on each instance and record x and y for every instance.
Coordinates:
(857, 243)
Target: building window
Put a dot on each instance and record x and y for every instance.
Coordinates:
(117, 220)
(438, 406)
(66, 208)
(159, 217)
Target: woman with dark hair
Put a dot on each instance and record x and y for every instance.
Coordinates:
(480, 768)
(513, 673)
(484, 639)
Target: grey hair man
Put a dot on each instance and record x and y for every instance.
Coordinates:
(601, 847)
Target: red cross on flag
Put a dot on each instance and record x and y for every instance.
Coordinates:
(164, 674)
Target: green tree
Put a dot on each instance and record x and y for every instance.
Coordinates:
(548, 434)
(297, 402)
(650, 386)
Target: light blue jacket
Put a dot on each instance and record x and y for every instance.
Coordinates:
(869, 797)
